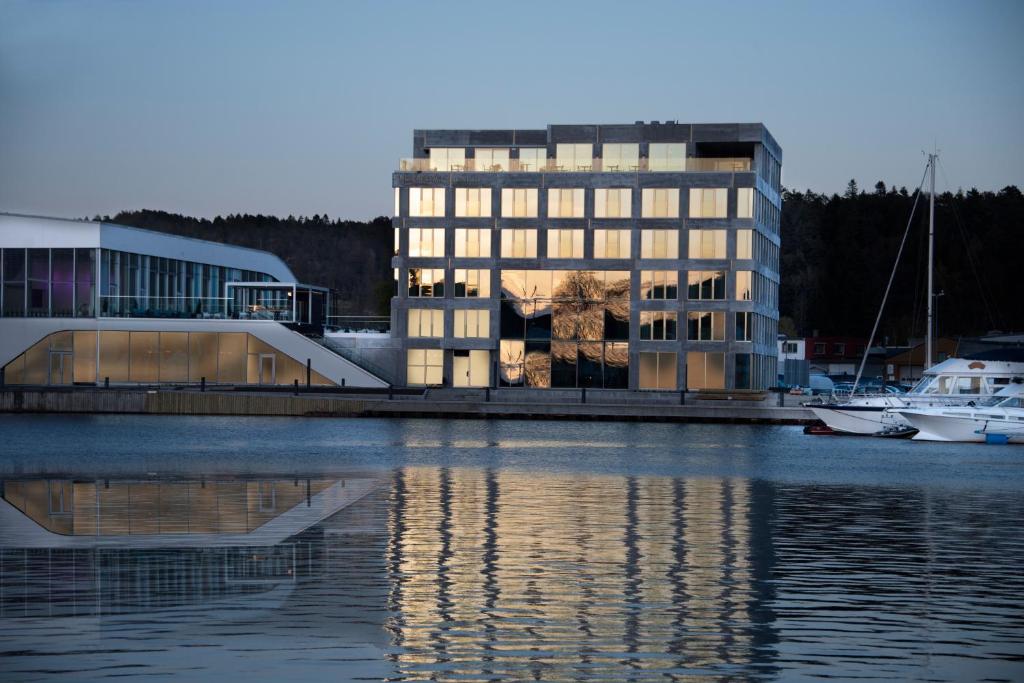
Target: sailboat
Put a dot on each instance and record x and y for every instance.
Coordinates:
(954, 382)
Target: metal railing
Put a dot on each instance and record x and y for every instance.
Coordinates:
(212, 308)
(358, 323)
(640, 165)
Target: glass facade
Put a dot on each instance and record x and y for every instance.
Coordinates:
(48, 283)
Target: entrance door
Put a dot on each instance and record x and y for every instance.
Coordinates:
(61, 365)
(471, 368)
(268, 368)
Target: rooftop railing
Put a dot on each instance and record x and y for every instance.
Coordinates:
(641, 165)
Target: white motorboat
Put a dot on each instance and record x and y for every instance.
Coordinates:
(953, 382)
(998, 420)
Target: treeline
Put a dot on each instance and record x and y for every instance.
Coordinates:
(838, 252)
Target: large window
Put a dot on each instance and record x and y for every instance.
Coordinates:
(472, 283)
(707, 244)
(615, 202)
(533, 159)
(705, 326)
(14, 283)
(574, 156)
(472, 323)
(667, 156)
(426, 282)
(472, 243)
(611, 243)
(426, 201)
(659, 202)
(705, 370)
(490, 159)
(519, 202)
(743, 329)
(424, 367)
(565, 203)
(743, 286)
(426, 322)
(659, 244)
(744, 244)
(745, 202)
(518, 243)
(620, 156)
(426, 242)
(706, 202)
(565, 243)
(448, 159)
(472, 201)
(705, 285)
(658, 325)
(659, 284)
(658, 370)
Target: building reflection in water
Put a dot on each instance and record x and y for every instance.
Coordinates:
(492, 571)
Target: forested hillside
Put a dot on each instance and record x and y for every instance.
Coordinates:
(837, 253)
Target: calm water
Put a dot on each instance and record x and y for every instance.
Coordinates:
(195, 549)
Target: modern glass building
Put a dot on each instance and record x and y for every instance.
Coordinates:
(86, 302)
(637, 256)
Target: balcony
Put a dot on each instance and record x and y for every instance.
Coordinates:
(640, 165)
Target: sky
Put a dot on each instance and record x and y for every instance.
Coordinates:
(207, 108)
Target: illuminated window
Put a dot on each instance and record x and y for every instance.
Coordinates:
(448, 159)
(426, 322)
(659, 284)
(518, 243)
(424, 367)
(745, 202)
(658, 370)
(472, 283)
(426, 242)
(565, 203)
(744, 244)
(659, 203)
(424, 282)
(615, 202)
(705, 326)
(491, 160)
(707, 244)
(659, 244)
(426, 201)
(472, 201)
(705, 285)
(611, 243)
(519, 202)
(565, 244)
(706, 202)
(705, 370)
(397, 195)
(743, 288)
(533, 159)
(667, 156)
(472, 243)
(574, 156)
(658, 325)
(472, 323)
(620, 156)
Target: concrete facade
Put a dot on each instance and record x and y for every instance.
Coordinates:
(749, 148)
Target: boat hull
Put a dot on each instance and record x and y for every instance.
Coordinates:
(931, 427)
(864, 420)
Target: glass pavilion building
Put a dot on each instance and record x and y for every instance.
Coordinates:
(85, 302)
(637, 256)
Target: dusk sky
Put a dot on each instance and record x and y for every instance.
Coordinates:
(305, 107)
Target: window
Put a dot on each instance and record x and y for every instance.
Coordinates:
(840, 349)
(745, 202)
(426, 242)
(616, 202)
(564, 203)
(706, 285)
(789, 347)
(658, 325)
(744, 244)
(705, 326)
(574, 156)
(519, 202)
(819, 349)
(743, 331)
(708, 202)
(426, 201)
(741, 375)
(667, 156)
(620, 156)
(424, 367)
(472, 201)
(472, 323)
(397, 202)
(448, 159)
(659, 244)
(659, 284)
(705, 370)
(707, 244)
(518, 243)
(398, 241)
(426, 282)
(743, 285)
(491, 160)
(659, 202)
(533, 159)
(658, 370)
(472, 283)
(565, 244)
(426, 322)
(472, 243)
(611, 243)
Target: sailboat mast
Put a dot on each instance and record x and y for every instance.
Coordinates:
(929, 341)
